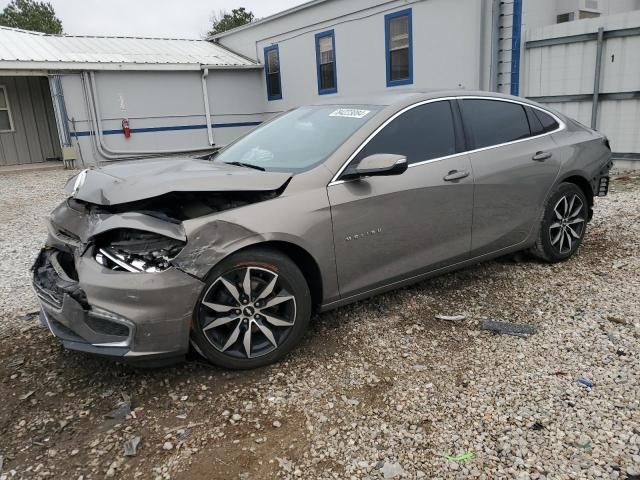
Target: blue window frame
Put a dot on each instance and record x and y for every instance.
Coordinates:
(399, 48)
(326, 62)
(272, 72)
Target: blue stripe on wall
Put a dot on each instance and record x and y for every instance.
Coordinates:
(170, 129)
(515, 47)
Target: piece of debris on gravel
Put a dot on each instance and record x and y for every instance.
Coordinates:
(379, 388)
(451, 318)
(131, 447)
(507, 328)
(122, 410)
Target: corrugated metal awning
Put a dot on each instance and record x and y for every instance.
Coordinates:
(21, 49)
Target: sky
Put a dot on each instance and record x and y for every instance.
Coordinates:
(152, 18)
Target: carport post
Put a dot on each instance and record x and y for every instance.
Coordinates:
(207, 111)
(596, 82)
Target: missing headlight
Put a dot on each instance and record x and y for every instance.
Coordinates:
(136, 251)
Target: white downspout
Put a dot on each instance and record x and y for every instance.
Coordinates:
(122, 154)
(207, 112)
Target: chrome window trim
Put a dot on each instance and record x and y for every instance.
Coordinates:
(561, 126)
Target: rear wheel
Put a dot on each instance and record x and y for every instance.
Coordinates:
(563, 224)
(255, 308)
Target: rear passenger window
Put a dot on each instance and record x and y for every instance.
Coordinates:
(422, 133)
(534, 122)
(549, 124)
(493, 122)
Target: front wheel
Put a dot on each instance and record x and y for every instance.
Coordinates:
(254, 309)
(563, 224)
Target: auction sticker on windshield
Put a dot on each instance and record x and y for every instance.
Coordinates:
(350, 113)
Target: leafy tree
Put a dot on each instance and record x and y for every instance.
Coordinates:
(224, 21)
(31, 15)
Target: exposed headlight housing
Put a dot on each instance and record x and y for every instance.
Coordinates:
(136, 251)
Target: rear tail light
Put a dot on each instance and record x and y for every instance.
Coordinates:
(603, 186)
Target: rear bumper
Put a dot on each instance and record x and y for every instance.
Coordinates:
(134, 317)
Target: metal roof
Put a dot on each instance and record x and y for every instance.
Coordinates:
(22, 49)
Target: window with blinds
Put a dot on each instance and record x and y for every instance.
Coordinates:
(399, 48)
(272, 71)
(326, 62)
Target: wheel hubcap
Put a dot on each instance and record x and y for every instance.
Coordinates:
(566, 231)
(247, 312)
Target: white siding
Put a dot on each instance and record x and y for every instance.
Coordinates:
(165, 99)
(447, 47)
(570, 70)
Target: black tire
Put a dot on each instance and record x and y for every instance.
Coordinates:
(559, 238)
(264, 265)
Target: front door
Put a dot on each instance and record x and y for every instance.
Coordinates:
(389, 228)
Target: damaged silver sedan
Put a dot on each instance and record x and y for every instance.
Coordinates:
(320, 207)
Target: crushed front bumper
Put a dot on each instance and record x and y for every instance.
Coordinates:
(135, 317)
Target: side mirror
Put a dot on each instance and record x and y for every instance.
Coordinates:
(379, 164)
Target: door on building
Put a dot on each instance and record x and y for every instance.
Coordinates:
(28, 132)
(515, 163)
(390, 228)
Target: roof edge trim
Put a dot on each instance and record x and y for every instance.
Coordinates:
(270, 18)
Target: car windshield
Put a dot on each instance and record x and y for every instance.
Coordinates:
(298, 139)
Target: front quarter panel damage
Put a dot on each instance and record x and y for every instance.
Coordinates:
(158, 301)
(211, 243)
(75, 220)
(300, 217)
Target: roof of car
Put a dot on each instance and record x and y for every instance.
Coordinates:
(412, 96)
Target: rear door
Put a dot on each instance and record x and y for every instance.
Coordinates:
(515, 162)
(390, 228)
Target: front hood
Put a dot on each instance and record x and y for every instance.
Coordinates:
(142, 179)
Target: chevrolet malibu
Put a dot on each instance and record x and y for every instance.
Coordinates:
(322, 206)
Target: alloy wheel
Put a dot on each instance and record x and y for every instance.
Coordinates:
(568, 227)
(247, 312)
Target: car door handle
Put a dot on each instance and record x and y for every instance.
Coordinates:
(456, 175)
(542, 156)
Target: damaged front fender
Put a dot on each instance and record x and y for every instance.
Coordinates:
(211, 243)
(76, 223)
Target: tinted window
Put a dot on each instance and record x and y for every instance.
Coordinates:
(548, 122)
(534, 122)
(420, 134)
(493, 122)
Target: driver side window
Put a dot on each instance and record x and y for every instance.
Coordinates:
(422, 133)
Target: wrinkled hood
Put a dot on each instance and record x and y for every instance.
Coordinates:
(141, 179)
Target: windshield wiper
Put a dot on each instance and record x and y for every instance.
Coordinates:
(248, 165)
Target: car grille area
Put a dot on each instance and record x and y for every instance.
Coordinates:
(65, 307)
(54, 275)
(107, 327)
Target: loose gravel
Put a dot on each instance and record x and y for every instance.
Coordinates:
(26, 199)
(379, 389)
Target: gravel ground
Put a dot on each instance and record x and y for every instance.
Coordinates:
(25, 201)
(379, 389)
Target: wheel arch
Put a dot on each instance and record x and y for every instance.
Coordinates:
(583, 184)
(304, 261)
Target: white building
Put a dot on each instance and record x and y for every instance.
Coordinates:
(75, 92)
(186, 95)
(545, 49)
